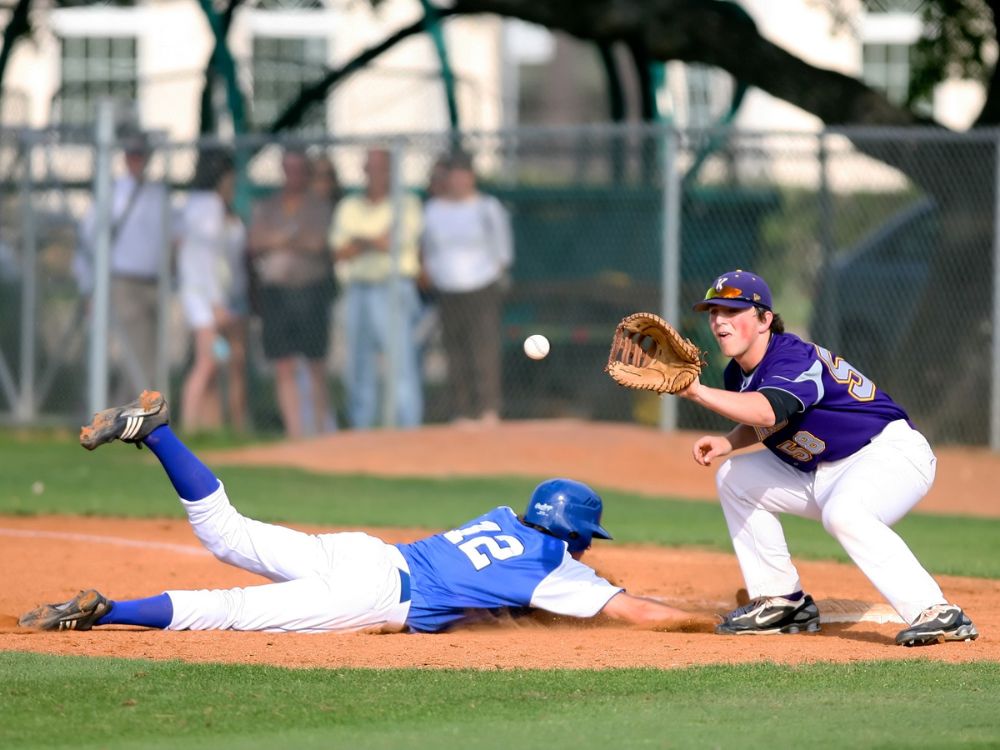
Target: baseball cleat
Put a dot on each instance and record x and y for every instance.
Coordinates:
(768, 615)
(79, 613)
(130, 423)
(937, 624)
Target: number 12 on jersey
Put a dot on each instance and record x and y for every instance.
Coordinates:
(483, 550)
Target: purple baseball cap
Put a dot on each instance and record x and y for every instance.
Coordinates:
(737, 289)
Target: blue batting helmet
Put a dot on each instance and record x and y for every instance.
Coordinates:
(568, 510)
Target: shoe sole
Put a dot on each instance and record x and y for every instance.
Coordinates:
(793, 629)
(103, 425)
(46, 618)
(966, 633)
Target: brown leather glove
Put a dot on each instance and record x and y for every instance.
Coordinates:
(647, 353)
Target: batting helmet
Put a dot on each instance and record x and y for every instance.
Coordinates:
(567, 510)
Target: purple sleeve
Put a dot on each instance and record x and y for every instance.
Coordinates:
(800, 376)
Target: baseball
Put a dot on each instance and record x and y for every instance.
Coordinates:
(536, 346)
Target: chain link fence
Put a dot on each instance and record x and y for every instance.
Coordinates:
(879, 245)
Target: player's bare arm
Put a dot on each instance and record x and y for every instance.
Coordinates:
(653, 614)
(750, 408)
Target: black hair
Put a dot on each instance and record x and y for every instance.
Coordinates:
(213, 163)
(777, 324)
(460, 160)
(571, 535)
(134, 141)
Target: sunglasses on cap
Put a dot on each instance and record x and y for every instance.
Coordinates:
(730, 292)
(735, 294)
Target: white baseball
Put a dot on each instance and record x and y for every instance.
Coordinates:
(536, 346)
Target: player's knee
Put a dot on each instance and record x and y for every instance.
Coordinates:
(219, 549)
(838, 519)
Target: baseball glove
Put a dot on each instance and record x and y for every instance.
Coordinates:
(647, 353)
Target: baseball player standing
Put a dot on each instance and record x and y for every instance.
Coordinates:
(353, 581)
(840, 451)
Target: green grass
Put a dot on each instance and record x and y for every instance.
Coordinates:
(121, 481)
(52, 702)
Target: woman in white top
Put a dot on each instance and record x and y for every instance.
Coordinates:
(214, 293)
(467, 251)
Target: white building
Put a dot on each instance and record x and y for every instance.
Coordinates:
(155, 52)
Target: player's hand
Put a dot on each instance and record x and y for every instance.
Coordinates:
(709, 447)
(691, 392)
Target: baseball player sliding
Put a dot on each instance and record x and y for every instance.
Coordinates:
(839, 451)
(352, 581)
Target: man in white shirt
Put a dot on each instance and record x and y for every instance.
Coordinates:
(139, 232)
(467, 253)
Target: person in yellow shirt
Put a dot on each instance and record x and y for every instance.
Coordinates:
(379, 281)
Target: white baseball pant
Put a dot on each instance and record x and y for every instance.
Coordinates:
(324, 582)
(857, 499)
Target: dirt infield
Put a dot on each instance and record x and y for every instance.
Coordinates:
(626, 457)
(49, 558)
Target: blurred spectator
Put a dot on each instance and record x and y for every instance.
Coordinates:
(325, 181)
(467, 252)
(140, 234)
(287, 243)
(325, 184)
(437, 183)
(213, 291)
(374, 291)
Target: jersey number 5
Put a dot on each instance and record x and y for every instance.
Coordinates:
(476, 549)
(858, 386)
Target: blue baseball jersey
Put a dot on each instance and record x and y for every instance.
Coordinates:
(840, 409)
(495, 561)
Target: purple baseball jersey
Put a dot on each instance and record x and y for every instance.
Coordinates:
(840, 411)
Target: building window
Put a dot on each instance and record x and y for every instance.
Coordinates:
(93, 67)
(281, 67)
(709, 95)
(289, 4)
(894, 6)
(887, 68)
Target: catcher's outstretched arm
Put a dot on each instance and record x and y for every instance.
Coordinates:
(655, 615)
(752, 408)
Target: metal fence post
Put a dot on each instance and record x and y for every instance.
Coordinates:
(397, 329)
(995, 371)
(26, 407)
(670, 280)
(100, 302)
(161, 376)
(826, 237)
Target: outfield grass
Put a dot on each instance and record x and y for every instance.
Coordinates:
(121, 481)
(71, 702)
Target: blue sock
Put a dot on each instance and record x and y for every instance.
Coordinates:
(154, 612)
(794, 597)
(190, 477)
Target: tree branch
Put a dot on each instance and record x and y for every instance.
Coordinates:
(317, 92)
(713, 33)
(17, 26)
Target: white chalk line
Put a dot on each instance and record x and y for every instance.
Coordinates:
(69, 536)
